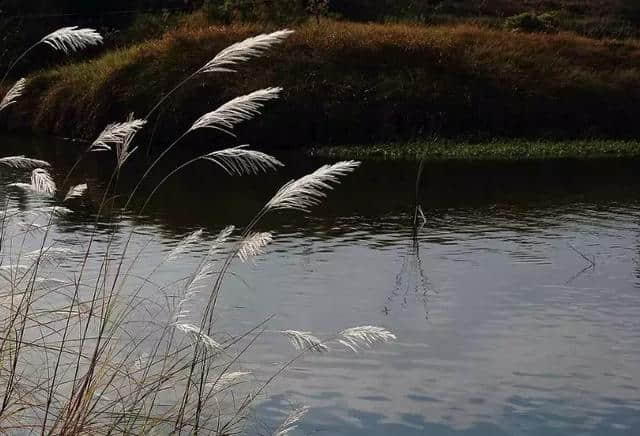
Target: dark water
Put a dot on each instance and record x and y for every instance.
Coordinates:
(503, 326)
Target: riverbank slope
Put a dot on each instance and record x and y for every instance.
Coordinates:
(356, 83)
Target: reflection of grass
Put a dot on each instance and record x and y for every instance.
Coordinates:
(493, 150)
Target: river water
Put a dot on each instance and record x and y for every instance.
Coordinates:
(516, 305)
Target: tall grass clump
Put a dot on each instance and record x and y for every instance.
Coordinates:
(83, 350)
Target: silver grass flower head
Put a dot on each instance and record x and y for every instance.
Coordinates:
(364, 337)
(197, 333)
(220, 240)
(235, 111)
(228, 379)
(243, 51)
(71, 39)
(116, 134)
(184, 245)
(303, 341)
(292, 421)
(13, 94)
(76, 191)
(42, 183)
(308, 191)
(254, 245)
(239, 161)
(22, 162)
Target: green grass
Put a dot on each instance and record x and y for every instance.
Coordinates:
(494, 150)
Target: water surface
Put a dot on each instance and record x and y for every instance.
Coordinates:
(516, 306)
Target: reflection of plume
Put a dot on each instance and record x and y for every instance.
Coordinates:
(411, 280)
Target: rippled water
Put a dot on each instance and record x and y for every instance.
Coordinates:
(517, 306)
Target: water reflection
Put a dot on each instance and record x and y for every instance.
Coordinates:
(520, 337)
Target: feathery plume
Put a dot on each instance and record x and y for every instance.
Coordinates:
(42, 183)
(22, 162)
(197, 333)
(292, 421)
(116, 133)
(240, 161)
(305, 341)
(71, 39)
(76, 191)
(243, 51)
(235, 111)
(228, 379)
(13, 94)
(308, 191)
(182, 247)
(204, 272)
(364, 337)
(254, 245)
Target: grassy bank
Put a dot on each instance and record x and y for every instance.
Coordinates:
(493, 150)
(358, 83)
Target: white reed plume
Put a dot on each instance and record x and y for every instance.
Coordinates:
(220, 240)
(116, 134)
(235, 111)
(292, 421)
(364, 337)
(308, 191)
(76, 191)
(184, 245)
(228, 379)
(253, 245)
(71, 39)
(243, 51)
(22, 162)
(197, 334)
(42, 183)
(204, 272)
(13, 94)
(303, 341)
(240, 161)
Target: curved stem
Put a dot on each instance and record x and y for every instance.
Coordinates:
(155, 162)
(18, 59)
(168, 94)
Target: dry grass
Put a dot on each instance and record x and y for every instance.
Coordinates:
(402, 81)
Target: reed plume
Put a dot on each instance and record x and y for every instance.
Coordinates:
(75, 192)
(254, 245)
(303, 341)
(308, 191)
(238, 161)
(243, 51)
(22, 162)
(292, 421)
(13, 94)
(235, 111)
(357, 338)
(66, 39)
(71, 39)
(184, 245)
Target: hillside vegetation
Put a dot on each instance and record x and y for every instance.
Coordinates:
(358, 83)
